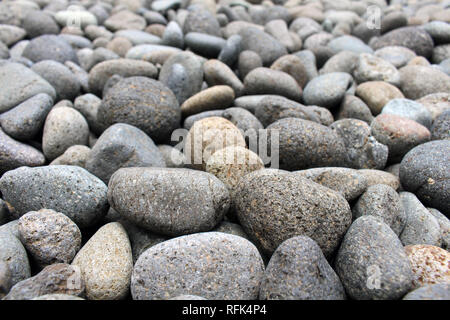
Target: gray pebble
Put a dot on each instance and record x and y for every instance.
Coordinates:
(298, 270)
(38, 23)
(25, 120)
(383, 202)
(440, 129)
(50, 47)
(419, 81)
(68, 189)
(213, 265)
(74, 156)
(201, 21)
(372, 263)
(398, 56)
(274, 206)
(354, 107)
(248, 61)
(205, 44)
(409, 109)
(49, 236)
(421, 226)
(444, 224)
(144, 103)
(119, 146)
(173, 35)
(425, 171)
(15, 257)
(230, 52)
(158, 199)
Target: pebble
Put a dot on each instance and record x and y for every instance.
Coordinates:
(298, 270)
(60, 77)
(438, 291)
(266, 46)
(424, 170)
(399, 134)
(398, 56)
(74, 156)
(293, 66)
(156, 199)
(63, 128)
(439, 31)
(376, 94)
(56, 278)
(125, 19)
(19, 83)
(230, 52)
(106, 263)
(173, 157)
(207, 136)
(421, 226)
(343, 180)
(204, 44)
(353, 107)
(269, 81)
(304, 144)
(49, 236)
(430, 264)
(218, 73)
(372, 263)
(436, 103)
(273, 108)
(327, 90)
(173, 35)
(363, 150)
(14, 154)
(130, 146)
(414, 38)
(372, 68)
(374, 176)
(138, 37)
(99, 75)
(144, 103)
(348, 43)
(9, 35)
(440, 129)
(15, 257)
(409, 109)
(38, 23)
(88, 105)
(230, 164)
(419, 81)
(248, 61)
(120, 46)
(344, 61)
(213, 265)
(209, 99)
(274, 206)
(201, 21)
(383, 202)
(183, 74)
(50, 47)
(83, 18)
(67, 189)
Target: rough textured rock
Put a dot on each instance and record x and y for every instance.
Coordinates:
(106, 263)
(380, 177)
(273, 206)
(421, 226)
(439, 291)
(73, 156)
(430, 264)
(122, 145)
(14, 256)
(50, 236)
(213, 265)
(425, 171)
(144, 103)
(343, 180)
(304, 144)
(57, 278)
(298, 270)
(169, 201)
(372, 263)
(383, 202)
(67, 189)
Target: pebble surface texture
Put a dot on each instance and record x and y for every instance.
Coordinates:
(274, 206)
(212, 265)
(308, 269)
(371, 253)
(169, 201)
(139, 125)
(106, 263)
(67, 189)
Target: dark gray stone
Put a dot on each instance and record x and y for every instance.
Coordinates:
(14, 256)
(298, 270)
(273, 206)
(144, 103)
(120, 146)
(425, 171)
(440, 129)
(68, 189)
(372, 263)
(205, 44)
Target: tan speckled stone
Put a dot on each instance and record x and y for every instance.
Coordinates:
(106, 263)
(430, 264)
(209, 135)
(377, 93)
(374, 177)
